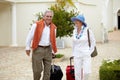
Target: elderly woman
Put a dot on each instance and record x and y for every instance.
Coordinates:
(81, 50)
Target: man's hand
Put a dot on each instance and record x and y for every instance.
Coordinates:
(28, 52)
(53, 55)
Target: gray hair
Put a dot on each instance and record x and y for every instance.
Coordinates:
(47, 12)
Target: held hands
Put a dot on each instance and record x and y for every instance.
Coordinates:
(28, 52)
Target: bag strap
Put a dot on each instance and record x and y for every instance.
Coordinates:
(88, 38)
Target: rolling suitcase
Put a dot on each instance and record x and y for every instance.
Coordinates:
(56, 72)
(70, 71)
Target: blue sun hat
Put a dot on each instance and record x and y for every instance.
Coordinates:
(81, 18)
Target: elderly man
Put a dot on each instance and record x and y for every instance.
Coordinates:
(43, 38)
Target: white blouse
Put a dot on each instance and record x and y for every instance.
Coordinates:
(81, 46)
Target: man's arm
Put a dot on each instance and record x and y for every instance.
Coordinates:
(29, 39)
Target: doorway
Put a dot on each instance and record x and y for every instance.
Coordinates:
(118, 22)
(118, 14)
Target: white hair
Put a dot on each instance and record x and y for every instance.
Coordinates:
(48, 11)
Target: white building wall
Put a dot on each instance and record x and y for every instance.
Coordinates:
(116, 7)
(25, 14)
(26, 10)
(92, 10)
(5, 24)
(94, 21)
(110, 25)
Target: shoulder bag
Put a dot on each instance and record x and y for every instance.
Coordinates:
(94, 53)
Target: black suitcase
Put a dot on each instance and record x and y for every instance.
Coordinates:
(56, 73)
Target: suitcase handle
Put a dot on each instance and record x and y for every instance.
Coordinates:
(71, 60)
(71, 70)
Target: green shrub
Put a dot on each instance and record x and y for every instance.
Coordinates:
(110, 70)
(59, 55)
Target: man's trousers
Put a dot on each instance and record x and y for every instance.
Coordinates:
(41, 61)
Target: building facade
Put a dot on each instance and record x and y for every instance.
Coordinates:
(17, 15)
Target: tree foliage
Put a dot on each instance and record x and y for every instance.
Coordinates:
(62, 18)
(63, 3)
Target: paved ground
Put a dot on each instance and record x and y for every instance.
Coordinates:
(15, 65)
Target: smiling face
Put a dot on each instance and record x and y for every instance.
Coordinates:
(78, 23)
(48, 17)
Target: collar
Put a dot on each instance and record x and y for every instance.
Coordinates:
(46, 25)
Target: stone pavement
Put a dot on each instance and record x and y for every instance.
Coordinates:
(15, 65)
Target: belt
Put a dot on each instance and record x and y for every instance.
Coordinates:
(43, 46)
